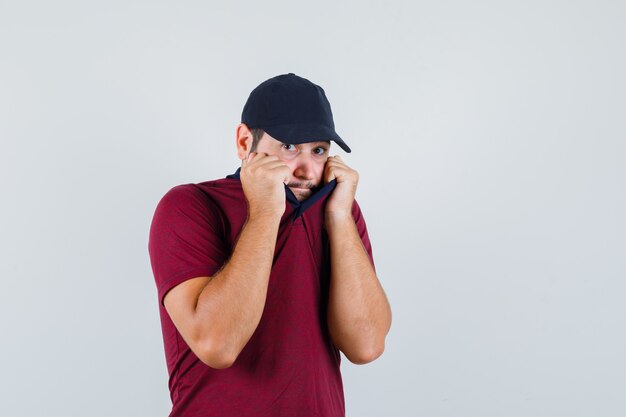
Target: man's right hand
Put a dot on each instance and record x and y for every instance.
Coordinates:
(263, 178)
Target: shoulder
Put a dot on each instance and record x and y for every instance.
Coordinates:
(206, 192)
(181, 197)
(181, 194)
(184, 204)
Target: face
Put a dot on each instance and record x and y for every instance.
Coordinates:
(306, 162)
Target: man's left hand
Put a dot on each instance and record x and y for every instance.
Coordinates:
(340, 202)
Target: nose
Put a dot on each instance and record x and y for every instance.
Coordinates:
(304, 167)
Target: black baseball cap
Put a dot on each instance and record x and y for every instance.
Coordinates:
(291, 109)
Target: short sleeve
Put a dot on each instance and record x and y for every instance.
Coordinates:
(362, 229)
(186, 238)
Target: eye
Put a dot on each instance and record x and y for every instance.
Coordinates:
(321, 150)
(286, 146)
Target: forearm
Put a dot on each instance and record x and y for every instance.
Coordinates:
(359, 315)
(229, 308)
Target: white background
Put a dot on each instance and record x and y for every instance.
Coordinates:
(490, 142)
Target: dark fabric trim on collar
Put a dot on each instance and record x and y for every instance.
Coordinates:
(299, 207)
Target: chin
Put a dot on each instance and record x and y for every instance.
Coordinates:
(301, 196)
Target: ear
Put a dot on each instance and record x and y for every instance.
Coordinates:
(243, 139)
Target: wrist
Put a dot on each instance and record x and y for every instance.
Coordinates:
(336, 219)
(265, 216)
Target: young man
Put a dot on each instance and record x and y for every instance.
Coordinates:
(265, 275)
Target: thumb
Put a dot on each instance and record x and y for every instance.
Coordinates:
(330, 175)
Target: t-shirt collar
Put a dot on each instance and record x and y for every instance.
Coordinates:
(299, 206)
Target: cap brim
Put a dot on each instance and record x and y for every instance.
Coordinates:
(303, 133)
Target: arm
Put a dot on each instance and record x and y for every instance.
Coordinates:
(359, 315)
(217, 315)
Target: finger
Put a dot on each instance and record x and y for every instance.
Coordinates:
(250, 156)
(256, 157)
(274, 165)
(280, 166)
(332, 158)
(330, 174)
(337, 160)
(264, 160)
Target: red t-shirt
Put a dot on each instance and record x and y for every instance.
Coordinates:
(289, 367)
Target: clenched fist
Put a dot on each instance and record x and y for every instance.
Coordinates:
(263, 178)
